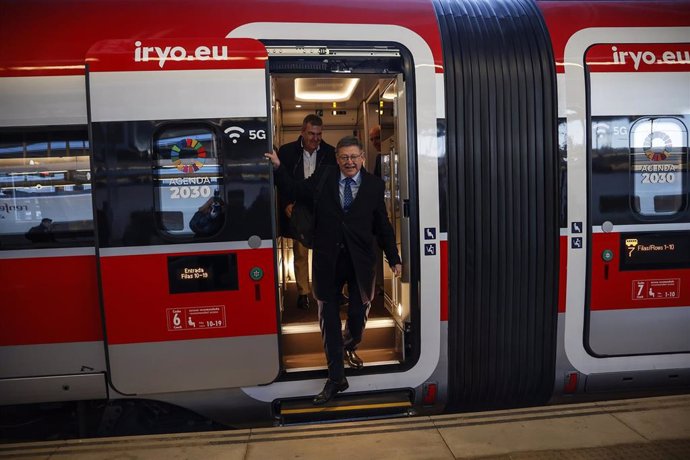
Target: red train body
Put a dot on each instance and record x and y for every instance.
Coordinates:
(535, 155)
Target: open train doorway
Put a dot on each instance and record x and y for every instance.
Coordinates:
(361, 93)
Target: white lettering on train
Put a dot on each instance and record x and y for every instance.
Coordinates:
(187, 180)
(8, 208)
(661, 167)
(658, 178)
(193, 191)
(649, 58)
(178, 53)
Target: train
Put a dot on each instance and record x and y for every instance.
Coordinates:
(535, 155)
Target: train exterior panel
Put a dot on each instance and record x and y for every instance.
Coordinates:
(535, 157)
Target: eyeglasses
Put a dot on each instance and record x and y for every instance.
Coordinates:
(349, 157)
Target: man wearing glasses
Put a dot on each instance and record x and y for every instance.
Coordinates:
(350, 219)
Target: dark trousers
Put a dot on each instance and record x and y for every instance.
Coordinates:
(334, 341)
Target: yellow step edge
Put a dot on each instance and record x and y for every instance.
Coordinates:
(344, 408)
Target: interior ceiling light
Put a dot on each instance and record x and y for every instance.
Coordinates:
(324, 89)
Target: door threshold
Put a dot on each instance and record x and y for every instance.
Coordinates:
(312, 327)
(320, 368)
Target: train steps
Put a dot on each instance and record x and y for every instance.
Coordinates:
(344, 407)
(302, 347)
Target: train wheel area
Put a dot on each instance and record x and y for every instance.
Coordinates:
(634, 428)
(97, 419)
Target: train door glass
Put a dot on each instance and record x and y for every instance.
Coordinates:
(184, 215)
(640, 222)
(378, 98)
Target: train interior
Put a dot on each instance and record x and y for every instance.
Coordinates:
(352, 91)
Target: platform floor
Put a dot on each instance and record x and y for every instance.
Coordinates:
(649, 428)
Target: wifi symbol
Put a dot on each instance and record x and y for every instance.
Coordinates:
(233, 133)
(602, 129)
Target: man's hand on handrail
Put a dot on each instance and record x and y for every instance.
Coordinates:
(273, 156)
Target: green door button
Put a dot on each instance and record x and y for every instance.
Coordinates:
(256, 273)
(607, 255)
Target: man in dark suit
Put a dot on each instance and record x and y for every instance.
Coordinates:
(351, 218)
(300, 159)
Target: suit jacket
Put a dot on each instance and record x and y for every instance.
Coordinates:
(364, 226)
(291, 156)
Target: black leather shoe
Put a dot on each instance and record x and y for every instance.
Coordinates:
(354, 361)
(329, 390)
(303, 302)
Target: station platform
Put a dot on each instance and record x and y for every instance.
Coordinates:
(648, 428)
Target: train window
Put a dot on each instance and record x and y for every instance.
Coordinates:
(658, 165)
(45, 188)
(188, 181)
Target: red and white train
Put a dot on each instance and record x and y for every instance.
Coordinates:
(536, 161)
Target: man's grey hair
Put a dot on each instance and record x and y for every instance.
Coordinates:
(348, 141)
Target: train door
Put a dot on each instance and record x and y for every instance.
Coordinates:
(351, 90)
(639, 203)
(183, 204)
(628, 216)
(334, 54)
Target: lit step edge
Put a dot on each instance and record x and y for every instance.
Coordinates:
(320, 409)
(319, 368)
(305, 328)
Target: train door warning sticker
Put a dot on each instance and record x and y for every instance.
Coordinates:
(188, 318)
(656, 289)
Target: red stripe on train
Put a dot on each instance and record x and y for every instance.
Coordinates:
(613, 289)
(562, 272)
(137, 298)
(564, 19)
(49, 300)
(445, 292)
(75, 25)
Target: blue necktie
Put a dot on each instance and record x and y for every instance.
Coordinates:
(347, 194)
